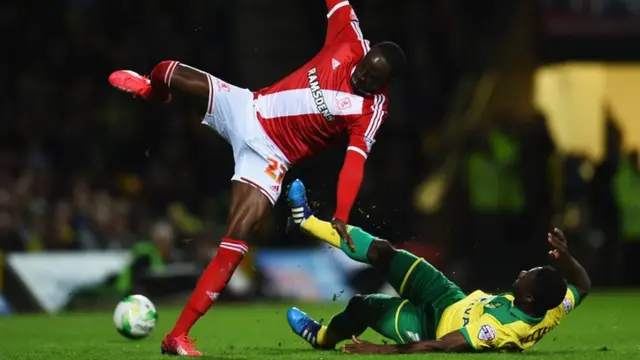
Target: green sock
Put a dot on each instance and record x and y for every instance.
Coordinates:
(324, 231)
(341, 327)
(361, 240)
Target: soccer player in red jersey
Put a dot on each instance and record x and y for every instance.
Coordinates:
(341, 91)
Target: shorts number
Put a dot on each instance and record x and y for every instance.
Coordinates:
(276, 170)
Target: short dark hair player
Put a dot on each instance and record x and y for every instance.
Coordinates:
(432, 313)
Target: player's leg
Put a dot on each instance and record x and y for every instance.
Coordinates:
(248, 206)
(412, 277)
(166, 76)
(392, 317)
(255, 189)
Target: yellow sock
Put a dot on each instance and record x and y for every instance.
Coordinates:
(321, 335)
(322, 230)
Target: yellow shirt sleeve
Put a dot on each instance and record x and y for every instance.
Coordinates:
(572, 293)
(488, 333)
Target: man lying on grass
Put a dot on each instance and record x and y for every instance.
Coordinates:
(432, 313)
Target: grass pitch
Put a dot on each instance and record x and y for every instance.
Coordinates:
(604, 327)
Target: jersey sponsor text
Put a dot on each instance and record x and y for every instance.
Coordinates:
(318, 96)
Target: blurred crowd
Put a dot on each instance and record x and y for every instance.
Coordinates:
(82, 166)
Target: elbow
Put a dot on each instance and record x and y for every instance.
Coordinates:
(588, 284)
(585, 283)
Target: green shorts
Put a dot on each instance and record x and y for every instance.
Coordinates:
(424, 295)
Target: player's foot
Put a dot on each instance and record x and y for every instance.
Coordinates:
(138, 85)
(297, 198)
(304, 326)
(179, 345)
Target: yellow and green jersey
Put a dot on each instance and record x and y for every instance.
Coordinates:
(493, 322)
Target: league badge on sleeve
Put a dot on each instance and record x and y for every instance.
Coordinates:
(486, 333)
(353, 16)
(567, 304)
(369, 142)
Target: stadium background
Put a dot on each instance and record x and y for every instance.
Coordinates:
(512, 117)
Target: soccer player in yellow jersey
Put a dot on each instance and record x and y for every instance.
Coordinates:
(432, 313)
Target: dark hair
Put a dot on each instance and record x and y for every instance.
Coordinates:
(394, 56)
(548, 289)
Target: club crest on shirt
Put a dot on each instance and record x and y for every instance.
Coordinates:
(344, 103)
(486, 333)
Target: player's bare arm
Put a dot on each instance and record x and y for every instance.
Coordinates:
(575, 274)
(452, 342)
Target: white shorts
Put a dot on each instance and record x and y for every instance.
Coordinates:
(258, 161)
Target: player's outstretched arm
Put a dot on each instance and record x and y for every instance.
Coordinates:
(575, 274)
(452, 342)
(342, 23)
(335, 5)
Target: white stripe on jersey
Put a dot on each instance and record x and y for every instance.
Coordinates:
(364, 43)
(301, 102)
(354, 25)
(336, 7)
(374, 107)
(376, 118)
(358, 150)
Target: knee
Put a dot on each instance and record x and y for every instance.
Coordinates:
(242, 227)
(248, 209)
(380, 253)
(242, 230)
(189, 79)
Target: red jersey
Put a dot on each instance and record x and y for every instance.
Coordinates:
(304, 112)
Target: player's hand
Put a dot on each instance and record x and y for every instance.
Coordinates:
(558, 242)
(341, 228)
(364, 347)
(356, 340)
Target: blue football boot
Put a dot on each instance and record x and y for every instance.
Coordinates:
(297, 199)
(304, 326)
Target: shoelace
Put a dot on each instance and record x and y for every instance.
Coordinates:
(135, 95)
(188, 340)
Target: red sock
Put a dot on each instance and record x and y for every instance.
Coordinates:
(212, 281)
(161, 79)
